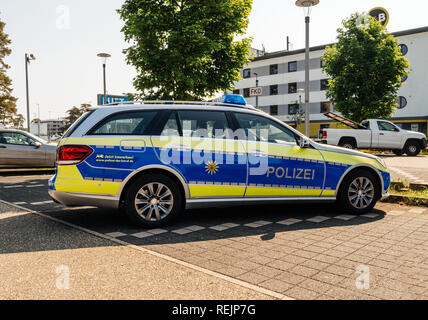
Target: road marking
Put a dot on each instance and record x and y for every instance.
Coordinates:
(35, 185)
(225, 226)
(370, 215)
(419, 211)
(19, 203)
(14, 186)
(148, 233)
(258, 224)
(289, 222)
(223, 277)
(188, 230)
(116, 234)
(318, 219)
(41, 203)
(345, 217)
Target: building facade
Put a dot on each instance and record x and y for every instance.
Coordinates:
(282, 75)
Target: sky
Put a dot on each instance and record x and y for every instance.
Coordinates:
(65, 37)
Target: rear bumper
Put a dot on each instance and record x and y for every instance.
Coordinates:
(385, 196)
(74, 199)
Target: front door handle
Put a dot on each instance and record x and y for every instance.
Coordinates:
(259, 153)
(381, 134)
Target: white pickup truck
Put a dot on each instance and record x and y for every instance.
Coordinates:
(373, 134)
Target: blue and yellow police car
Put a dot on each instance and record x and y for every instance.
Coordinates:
(154, 159)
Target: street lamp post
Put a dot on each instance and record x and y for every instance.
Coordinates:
(104, 57)
(28, 58)
(257, 85)
(307, 6)
(300, 91)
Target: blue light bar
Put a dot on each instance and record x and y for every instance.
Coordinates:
(234, 99)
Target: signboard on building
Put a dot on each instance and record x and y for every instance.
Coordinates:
(380, 14)
(256, 92)
(111, 99)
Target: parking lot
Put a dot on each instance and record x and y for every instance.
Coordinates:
(279, 252)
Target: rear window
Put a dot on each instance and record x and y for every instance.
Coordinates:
(75, 125)
(130, 123)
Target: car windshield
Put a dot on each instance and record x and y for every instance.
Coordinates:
(43, 141)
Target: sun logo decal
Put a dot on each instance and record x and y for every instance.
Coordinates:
(211, 167)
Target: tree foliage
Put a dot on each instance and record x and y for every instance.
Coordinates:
(366, 68)
(8, 111)
(185, 50)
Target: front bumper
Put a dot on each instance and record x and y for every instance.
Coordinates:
(75, 199)
(424, 144)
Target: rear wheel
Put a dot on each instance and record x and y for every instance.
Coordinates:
(359, 192)
(348, 144)
(412, 148)
(154, 201)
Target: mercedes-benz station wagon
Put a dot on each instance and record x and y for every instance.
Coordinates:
(156, 159)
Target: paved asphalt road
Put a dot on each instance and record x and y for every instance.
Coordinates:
(302, 252)
(412, 169)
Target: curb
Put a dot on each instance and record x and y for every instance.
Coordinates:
(412, 201)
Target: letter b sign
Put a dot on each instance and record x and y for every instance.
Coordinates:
(381, 15)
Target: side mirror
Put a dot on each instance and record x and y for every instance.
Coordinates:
(304, 143)
(37, 145)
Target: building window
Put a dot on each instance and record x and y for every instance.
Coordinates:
(404, 49)
(402, 102)
(246, 92)
(236, 91)
(292, 66)
(247, 73)
(293, 108)
(274, 90)
(322, 64)
(324, 84)
(403, 79)
(325, 107)
(273, 69)
(292, 87)
(274, 110)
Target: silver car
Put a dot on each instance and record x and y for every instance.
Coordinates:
(20, 149)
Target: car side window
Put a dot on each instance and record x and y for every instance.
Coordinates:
(171, 127)
(386, 126)
(16, 139)
(265, 130)
(205, 124)
(366, 124)
(128, 123)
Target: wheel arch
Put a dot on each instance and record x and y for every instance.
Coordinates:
(362, 166)
(418, 141)
(353, 139)
(159, 169)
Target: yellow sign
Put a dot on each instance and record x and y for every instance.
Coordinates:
(380, 14)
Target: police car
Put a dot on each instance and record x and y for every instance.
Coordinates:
(155, 159)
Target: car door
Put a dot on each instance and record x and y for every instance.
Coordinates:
(199, 145)
(20, 150)
(389, 135)
(277, 166)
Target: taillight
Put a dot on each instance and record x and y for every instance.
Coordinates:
(324, 135)
(69, 155)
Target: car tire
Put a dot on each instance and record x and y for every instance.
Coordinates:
(348, 144)
(398, 153)
(154, 200)
(359, 192)
(412, 148)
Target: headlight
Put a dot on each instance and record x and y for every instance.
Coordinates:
(381, 161)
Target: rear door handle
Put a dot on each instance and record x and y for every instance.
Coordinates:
(259, 153)
(381, 134)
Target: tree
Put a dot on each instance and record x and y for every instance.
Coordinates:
(366, 68)
(185, 50)
(73, 114)
(7, 101)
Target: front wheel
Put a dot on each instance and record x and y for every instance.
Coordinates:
(359, 192)
(154, 201)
